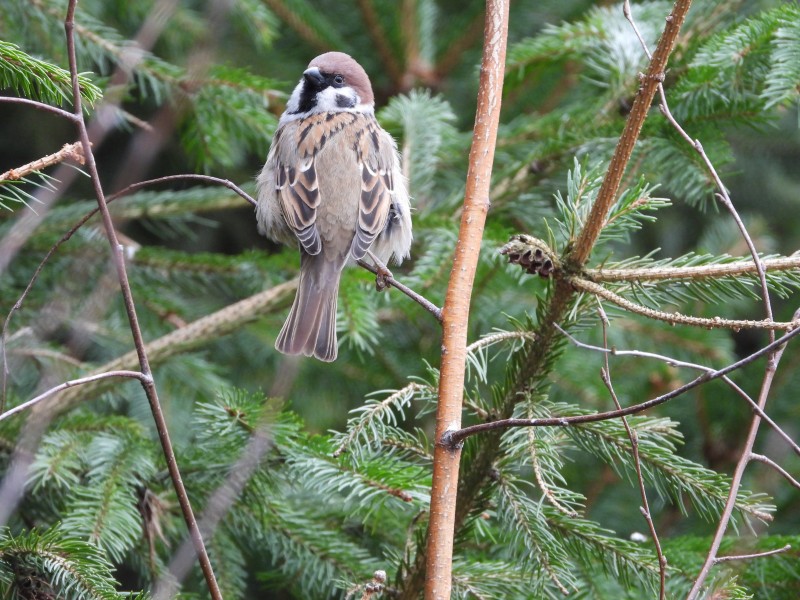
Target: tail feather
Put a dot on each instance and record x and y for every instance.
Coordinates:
(310, 328)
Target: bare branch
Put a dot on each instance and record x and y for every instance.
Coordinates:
(119, 261)
(720, 559)
(768, 461)
(454, 438)
(419, 299)
(68, 384)
(674, 362)
(40, 106)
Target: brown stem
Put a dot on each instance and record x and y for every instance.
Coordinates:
(633, 126)
(605, 374)
(736, 481)
(119, 261)
(438, 580)
(39, 106)
(419, 299)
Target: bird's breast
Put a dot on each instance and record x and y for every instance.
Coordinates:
(339, 180)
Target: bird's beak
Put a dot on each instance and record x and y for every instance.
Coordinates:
(313, 76)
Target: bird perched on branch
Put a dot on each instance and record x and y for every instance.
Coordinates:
(333, 186)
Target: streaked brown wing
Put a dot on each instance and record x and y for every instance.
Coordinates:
(374, 152)
(297, 183)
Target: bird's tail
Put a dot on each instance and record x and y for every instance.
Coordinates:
(310, 328)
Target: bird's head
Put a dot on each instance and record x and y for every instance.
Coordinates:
(333, 82)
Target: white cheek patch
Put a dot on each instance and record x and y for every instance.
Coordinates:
(333, 99)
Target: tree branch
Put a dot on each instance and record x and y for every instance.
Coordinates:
(419, 299)
(453, 439)
(68, 384)
(438, 579)
(633, 126)
(40, 106)
(119, 261)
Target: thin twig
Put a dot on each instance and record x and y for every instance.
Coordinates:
(605, 375)
(768, 461)
(68, 384)
(40, 106)
(674, 362)
(419, 299)
(720, 559)
(119, 261)
(454, 438)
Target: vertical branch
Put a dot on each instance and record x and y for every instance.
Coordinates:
(118, 258)
(605, 374)
(736, 481)
(457, 302)
(633, 126)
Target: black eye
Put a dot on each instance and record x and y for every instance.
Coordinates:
(338, 80)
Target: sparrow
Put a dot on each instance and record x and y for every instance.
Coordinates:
(332, 185)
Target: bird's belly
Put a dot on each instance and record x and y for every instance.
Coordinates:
(339, 180)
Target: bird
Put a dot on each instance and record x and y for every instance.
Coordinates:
(333, 186)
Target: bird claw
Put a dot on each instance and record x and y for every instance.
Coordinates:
(382, 277)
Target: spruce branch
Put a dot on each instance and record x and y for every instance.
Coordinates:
(711, 271)
(584, 285)
(439, 555)
(364, 426)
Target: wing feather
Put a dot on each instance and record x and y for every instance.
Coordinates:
(375, 153)
(296, 175)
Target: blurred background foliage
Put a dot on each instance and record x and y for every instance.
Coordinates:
(200, 90)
